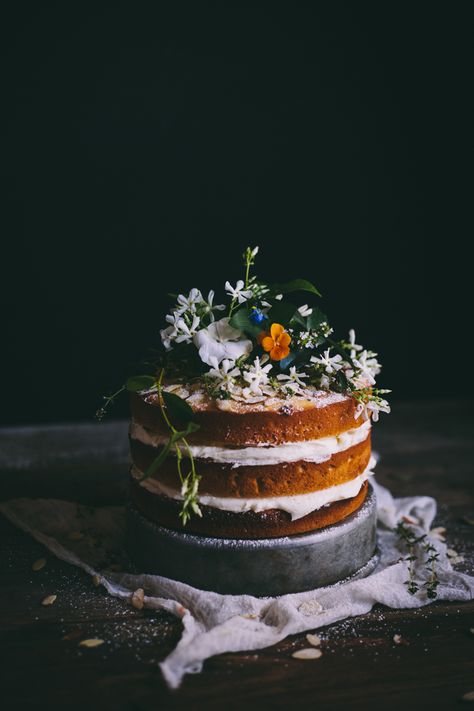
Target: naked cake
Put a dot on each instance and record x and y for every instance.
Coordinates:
(255, 421)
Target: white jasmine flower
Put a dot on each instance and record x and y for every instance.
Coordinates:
(190, 302)
(239, 292)
(331, 364)
(374, 405)
(186, 332)
(256, 376)
(353, 345)
(294, 379)
(367, 367)
(254, 251)
(168, 335)
(225, 373)
(305, 310)
(221, 341)
(208, 307)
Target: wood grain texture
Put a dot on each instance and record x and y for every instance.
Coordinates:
(425, 447)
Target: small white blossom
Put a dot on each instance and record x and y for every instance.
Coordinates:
(374, 405)
(279, 297)
(188, 303)
(168, 335)
(305, 310)
(224, 374)
(367, 367)
(353, 345)
(239, 292)
(186, 332)
(256, 377)
(254, 251)
(207, 307)
(331, 364)
(220, 341)
(294, 380)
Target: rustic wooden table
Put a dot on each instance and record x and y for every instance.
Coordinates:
(426, 447)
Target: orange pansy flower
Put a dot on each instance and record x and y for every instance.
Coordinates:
(276, 342)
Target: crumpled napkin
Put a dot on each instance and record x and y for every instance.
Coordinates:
(214, 623)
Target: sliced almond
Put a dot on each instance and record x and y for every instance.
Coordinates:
(137, 599)
(48, 600)
(397, 638)
(469, 696)
(38, 564)
(308, 653)
(451, 553)
(91, 643)
(411, 519)
(313, 639)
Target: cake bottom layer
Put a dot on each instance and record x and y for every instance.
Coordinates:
(272, 566)
(225, 524)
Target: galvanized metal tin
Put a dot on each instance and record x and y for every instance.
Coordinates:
(264, 567)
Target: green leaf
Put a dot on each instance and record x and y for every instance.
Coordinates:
(281, 312)
(241, 321)
(316, 318)
(177, 407)
(140, 382)
(295, 285)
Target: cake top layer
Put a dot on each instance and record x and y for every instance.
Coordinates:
(199, 399)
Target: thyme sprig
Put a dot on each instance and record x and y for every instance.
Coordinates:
(416, 544)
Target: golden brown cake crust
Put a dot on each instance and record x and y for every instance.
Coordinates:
(261, 481)
(250, 426)
(224, 524)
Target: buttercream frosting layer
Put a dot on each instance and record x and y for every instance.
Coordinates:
(296, 506)
(264, 454)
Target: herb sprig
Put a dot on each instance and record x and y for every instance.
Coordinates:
(419, 544)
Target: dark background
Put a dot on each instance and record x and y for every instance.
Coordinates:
(147, 145)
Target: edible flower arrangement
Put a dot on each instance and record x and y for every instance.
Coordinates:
(260, 344)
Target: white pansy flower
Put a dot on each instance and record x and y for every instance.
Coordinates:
(221, 341)
(294, 380)
(188, 303)
(331, 364)
(239, 292)
(256, 377)
(207, 307)
(305, 310)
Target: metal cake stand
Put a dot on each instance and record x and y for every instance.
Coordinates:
(264, 567)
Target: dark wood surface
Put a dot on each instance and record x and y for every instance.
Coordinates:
(426, 447)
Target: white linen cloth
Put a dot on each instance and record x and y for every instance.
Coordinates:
(214, 623)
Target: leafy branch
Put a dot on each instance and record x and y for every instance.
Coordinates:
(170, 404)
(179, 408)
